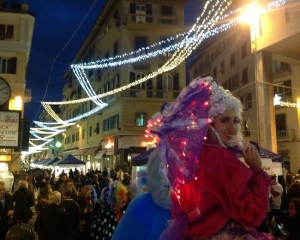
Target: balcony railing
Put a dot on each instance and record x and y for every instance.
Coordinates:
(286, 134)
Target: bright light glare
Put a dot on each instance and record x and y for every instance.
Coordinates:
(251, 13)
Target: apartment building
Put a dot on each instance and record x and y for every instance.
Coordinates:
(260, 64)
(16, 31)
(115, 134)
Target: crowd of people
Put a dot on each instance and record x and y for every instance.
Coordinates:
(196, 187)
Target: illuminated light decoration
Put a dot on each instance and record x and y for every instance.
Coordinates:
(109, 145)
(40, 131)
(40, 138)
(188, 45)
(164, 69)
(42, 124)
(277, 102)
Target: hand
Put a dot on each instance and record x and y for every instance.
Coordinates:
(10, 212)
(251, 156)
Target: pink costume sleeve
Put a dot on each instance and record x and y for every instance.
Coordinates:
(225, 189)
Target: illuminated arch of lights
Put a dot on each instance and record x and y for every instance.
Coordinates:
(182, 50)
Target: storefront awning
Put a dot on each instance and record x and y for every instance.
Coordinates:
(92, 151)
(80, 151)
(110, 152)
(99, 154)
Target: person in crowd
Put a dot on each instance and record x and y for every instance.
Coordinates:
(86, 210)
(20, 231)
(292, 192)
(23, 200)
(276, 191)
(150, 211)
(62, 177)
(31, 181)
(236, 194)
(69, 182)
(71, 174)
(126, 179)
(103, 180)
(114, 197)
(43, 196)
(292, 226)
(73, 212)
(94, 183)
(52, 223)
(6, 209)
(78, 181)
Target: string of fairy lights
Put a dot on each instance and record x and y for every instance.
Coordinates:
(212, 15)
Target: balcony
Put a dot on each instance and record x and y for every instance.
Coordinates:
(140, 21)
(143, 93)
(285, 135)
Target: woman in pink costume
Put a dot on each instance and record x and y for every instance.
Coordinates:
(216, 195)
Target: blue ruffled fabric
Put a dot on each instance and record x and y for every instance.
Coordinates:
(143, 219)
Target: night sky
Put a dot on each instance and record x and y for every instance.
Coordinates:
(57, 38)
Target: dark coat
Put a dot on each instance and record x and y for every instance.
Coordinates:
(293, 227)
(8, 205)
(51, 223)
(24, 199)
(73, 215)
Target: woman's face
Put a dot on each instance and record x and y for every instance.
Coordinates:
(292, 210)
(226, 124)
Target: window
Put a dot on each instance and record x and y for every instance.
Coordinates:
(6, 32)
(133, 77)
(166, 11)
(117, 81)
(91, 52)
(215, 72)
(99, 75)
(141, 45)
(278, 66)
(73, 138)
(140, 11)
(245, 75)
(284, 90)
(114, 122)
(91, 72)
(97, 129)
(105, 125)
(244, 50)
(280, 120)
(90, 131)
(232, 60)
(8, 65)
(232, 83)
(222, 67)
(83, 133)
(116, 49)
(246, 101)
(167, 81)
(77, 136)
(140, 119)
(166, 45)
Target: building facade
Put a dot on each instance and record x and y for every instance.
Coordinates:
(16, 31)
(115, 134)
(259, 62)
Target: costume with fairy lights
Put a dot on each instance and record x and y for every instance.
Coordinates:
(215, 196)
